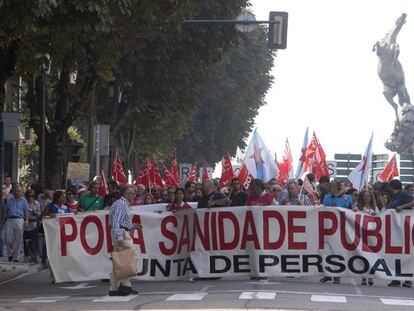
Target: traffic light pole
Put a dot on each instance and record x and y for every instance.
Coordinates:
(278, 22)
(227, 21)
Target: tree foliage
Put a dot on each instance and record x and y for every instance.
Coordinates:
(160, 84)
(230, 100)
(160, 77)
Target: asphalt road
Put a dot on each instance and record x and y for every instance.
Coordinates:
(35, 292)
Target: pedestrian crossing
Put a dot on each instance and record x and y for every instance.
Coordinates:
(242, 295)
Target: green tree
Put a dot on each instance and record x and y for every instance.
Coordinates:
(230, 101)
(160, 77)
(19, 23)
(86, 38)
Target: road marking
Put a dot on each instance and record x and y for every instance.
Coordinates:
(263, 283)
(325, 298)
(398, 302)
(205, 288)
(15, 278)
(115, 298)
(80, 286)
(258, 295)
(44, 299)
(193, 296)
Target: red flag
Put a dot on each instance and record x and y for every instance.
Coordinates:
(227, 173)
(315, 159)
(313, 195)
(174, 166)
(193, 173)
(103, 187)
(320, 166)
(155, 174)
(390, 171)
(286, 165)
(144, 176)
(245, 177)
(205, 173)
(117, 171)
(168, 177)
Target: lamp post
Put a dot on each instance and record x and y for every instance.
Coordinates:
(42, 140)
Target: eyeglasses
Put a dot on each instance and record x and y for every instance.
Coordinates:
(31, 196)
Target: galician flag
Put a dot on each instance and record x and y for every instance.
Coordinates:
(258, 159)
(302, 157)
(358, 177)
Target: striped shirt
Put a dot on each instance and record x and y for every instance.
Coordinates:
(119, 217)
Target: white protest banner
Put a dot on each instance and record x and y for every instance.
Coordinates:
(238, 241)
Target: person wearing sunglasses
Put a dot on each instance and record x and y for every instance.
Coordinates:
(71, 201)
(31, 231)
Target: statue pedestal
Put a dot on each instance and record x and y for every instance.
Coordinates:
(402, 138)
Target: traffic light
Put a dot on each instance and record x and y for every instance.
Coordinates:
(278, 30)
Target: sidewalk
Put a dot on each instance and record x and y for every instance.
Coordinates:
(9, 270)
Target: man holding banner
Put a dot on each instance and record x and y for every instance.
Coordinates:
(121, 223)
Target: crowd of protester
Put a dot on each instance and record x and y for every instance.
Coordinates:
(24, 207)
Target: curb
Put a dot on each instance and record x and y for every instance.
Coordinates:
(31, 268)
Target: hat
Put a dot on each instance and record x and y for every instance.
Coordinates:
(81, 188)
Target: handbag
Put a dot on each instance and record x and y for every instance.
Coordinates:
(125, 263)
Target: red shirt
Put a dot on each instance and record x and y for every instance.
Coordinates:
(264, 200)
(73, 207)
(178, 207)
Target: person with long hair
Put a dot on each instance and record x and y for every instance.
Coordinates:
(58, 205)
(179, 202)
(366, 203)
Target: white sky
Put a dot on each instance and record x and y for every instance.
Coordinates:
(327, 77)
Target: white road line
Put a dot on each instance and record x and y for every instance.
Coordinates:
(15, 278)
(258, 295)
(80, 286)
(44, 299)
(115, 298)
(325, 298)
(193, 296)
(222, 291)
(263, 283)
(398, 302)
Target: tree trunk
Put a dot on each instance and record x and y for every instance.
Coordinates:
(55, 155)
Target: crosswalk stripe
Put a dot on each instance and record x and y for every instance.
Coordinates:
(193, 296)
(397, 302)
(44, 299)
(115, 298)
(257, 295)
(326, 298)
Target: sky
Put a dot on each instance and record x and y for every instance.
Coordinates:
(327, 79)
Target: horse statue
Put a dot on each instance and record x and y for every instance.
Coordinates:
(390, 70)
